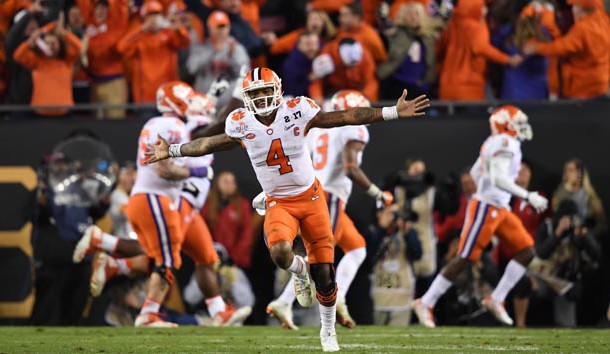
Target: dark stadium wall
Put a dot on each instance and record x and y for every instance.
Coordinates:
(446, 143)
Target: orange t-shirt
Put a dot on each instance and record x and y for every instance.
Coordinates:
(359, 77)
(104, 59)
(155, 59)
(464, 49)
(585, 56)
(51, 77)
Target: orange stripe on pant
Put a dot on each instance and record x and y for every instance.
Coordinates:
(157, 224)
(307, 211)
(482, 222)
(346, 235)
(198, 243)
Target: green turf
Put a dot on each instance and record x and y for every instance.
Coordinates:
(363, 339)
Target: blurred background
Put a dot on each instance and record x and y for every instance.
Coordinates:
(78, 81)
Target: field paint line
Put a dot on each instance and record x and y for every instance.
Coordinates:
(516, 348)
(407, 335)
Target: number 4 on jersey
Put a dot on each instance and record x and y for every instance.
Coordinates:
(277, 157)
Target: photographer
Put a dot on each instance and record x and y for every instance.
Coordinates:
(395, 244)
(416, 194)
(569, 249)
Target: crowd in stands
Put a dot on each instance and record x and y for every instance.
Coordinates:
(118, 51)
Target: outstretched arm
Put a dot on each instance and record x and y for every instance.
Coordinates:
(198, 147)
(366, 115)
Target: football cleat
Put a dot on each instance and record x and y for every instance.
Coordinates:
(105, 268)
(424, 314)
(231, 316)
(328, 339)
(302, 286)
(343, 316)
(283, 312)
(497, 309)
(90, 241)
(152, 320)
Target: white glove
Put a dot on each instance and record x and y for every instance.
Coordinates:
(322, 65)
(537, 201)
(258, 203)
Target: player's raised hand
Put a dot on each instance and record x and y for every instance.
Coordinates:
(157, 152)
(412, 108)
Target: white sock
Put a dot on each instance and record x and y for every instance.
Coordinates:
(288, 295)
(297, 266)
(215, 305)
(347, 269)
(109, 242)
(192, 293)
(150, 306)
(513, 273)
(123, 267)
(328, 317)
(439, 286)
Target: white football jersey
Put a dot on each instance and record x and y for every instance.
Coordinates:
(196, 189)
(278, 152)
(326, 146)
(494, 145)
(148, 181)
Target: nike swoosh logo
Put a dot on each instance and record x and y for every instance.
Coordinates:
(290, 126)
(315, 198)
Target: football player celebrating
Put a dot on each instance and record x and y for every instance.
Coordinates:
(337, 154)
(273, 133)
(489, 214)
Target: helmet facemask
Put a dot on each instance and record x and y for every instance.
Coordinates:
(519, 123)
(268, 103)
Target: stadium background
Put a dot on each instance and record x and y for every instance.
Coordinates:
(447, 142)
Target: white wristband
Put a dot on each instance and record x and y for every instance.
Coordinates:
(389, 113)
(174, 150)
(375, 192)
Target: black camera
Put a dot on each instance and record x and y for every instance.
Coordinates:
(407, 215)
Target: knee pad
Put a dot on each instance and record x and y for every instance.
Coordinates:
(323, 274)
(165, 272)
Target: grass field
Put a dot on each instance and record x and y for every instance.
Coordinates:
(363, 339)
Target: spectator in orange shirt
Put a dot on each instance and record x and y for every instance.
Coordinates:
(106, 24)
(318, 22)
(50, 54)
(343, 64)
(153, 45)
(352, 25)
(585, 67)
(464, 49)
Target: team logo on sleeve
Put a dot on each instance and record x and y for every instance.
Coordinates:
(250, 136)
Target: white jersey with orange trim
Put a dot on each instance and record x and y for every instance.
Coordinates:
(326, 146)
(500, 144)
(196, 189)
(148, 180)
(278, 152)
